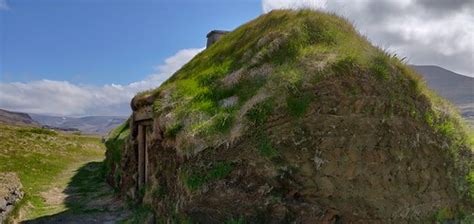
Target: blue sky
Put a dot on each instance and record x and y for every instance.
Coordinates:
(106, 41)
(90, 57)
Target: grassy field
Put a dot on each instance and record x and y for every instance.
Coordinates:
(46, 162)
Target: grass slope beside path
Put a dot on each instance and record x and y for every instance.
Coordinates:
(50, 165)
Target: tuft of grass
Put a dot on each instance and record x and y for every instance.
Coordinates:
(239, 220)
(220, 123)
(266, 149)
(220, 170)
(317, 32)
(157, 107)
(298, 105)
(223, 122)
(197, 179)
(141, 214)
(259, 114)
(443, 215)
(172, 130)
(344, 64)
(380, 67)
(160, 192)
(142, 191)
(470, 181)
(194, 182)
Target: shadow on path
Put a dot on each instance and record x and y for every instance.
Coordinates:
(88, 200)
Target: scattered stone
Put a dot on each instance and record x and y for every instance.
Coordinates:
(229, 102)
(10, 193)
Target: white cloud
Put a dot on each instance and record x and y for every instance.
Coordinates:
(269, 5)
(3, 5)
(435, 32)
(64, 98)
(175, 62)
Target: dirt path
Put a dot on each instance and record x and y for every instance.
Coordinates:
(80, 195)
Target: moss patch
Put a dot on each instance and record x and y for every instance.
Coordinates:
(259, 114)
(266, 149)
(198, 178)
(114, 144)
(172, 130)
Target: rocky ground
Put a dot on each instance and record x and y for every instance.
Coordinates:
(10, 193)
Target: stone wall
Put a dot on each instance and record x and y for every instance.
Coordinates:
(10, 194)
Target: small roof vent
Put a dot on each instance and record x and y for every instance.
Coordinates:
(214, 36)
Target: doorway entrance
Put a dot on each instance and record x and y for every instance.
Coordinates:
(143, 137)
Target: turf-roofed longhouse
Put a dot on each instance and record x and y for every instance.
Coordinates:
(294, 117)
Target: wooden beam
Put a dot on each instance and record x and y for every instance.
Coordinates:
(141, 156)
(143, 113)
(147, 148)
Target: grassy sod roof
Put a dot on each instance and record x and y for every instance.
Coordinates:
(270, 65)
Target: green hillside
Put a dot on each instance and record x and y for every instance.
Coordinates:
(41, 158)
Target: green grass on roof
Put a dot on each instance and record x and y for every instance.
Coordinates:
(280, 54)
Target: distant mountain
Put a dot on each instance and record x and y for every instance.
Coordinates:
(16, 118)
(457, 88)
(91, 124)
